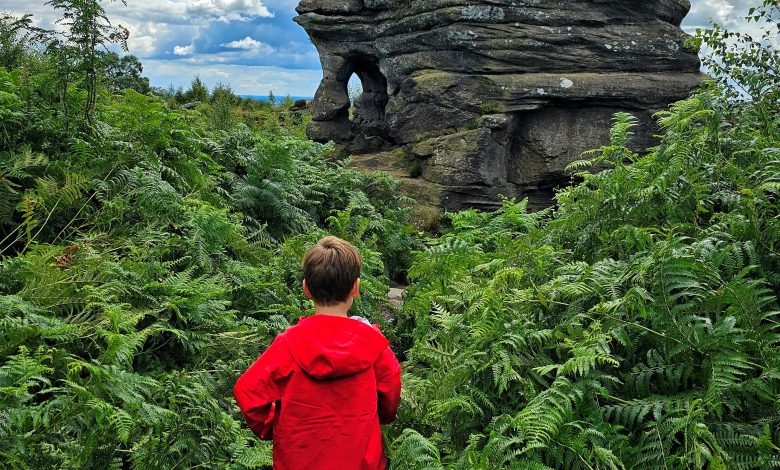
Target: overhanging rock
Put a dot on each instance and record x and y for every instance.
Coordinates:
(495, 97)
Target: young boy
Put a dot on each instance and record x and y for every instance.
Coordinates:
(324, 386)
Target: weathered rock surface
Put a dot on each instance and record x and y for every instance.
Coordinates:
(495, 97)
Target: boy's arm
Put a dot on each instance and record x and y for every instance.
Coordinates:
(258, 389)
(388, 386)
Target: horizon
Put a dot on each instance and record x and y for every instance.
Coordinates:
(254, 46)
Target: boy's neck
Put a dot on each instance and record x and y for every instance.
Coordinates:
(339, 310)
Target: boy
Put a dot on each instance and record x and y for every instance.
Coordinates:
(323, 387)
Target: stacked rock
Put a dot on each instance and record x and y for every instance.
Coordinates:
(495, 97)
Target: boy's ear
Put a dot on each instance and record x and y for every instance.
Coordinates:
(355, 289)
(306, 291)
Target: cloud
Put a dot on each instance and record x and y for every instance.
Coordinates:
(183, 50)
(191, 11)
(228, 10)
(246, 43)
(724, 12)
(249, 44)
(141, 45)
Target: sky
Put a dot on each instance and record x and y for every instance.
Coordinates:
(253, 45)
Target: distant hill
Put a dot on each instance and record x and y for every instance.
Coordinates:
(278, 98)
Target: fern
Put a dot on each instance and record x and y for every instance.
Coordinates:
(414, 451)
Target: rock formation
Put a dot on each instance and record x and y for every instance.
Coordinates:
(494, 97)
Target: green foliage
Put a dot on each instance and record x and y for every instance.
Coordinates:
(86, 29)
(221, 113)
(146, 263)
(197, 92)
(744, 64)
(635, 325)
(13, 48)
(124, 72)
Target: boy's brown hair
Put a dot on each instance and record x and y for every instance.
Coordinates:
(330, 269)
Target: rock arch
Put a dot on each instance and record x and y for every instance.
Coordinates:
(367, 128)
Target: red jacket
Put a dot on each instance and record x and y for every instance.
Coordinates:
(320, 391)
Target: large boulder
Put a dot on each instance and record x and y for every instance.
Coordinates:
(495, 97)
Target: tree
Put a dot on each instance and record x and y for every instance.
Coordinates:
(197, 92)
(13, 42)
(87, 30)
(222, 114)
(124, 72)
(55, 47)
(746, 66)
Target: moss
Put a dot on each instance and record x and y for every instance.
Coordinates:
(488, 108)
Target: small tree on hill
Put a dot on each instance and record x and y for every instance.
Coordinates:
(12, 42)
(88, 29)
(198, 91)
(124, 72)
(222, 113)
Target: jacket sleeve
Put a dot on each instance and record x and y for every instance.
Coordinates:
(388, 386)
(260, 387)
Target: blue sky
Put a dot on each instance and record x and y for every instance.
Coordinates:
(253, 45)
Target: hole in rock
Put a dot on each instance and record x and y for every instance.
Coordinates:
(366, 87)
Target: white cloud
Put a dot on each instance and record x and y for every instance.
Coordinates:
(228, 10)
(249, 44)
(246, 43)
(143, 41)
(189, 11)
(141, 46)
(183, 50)
(721, 11)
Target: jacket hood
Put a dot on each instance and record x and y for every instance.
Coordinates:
(328, 347)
